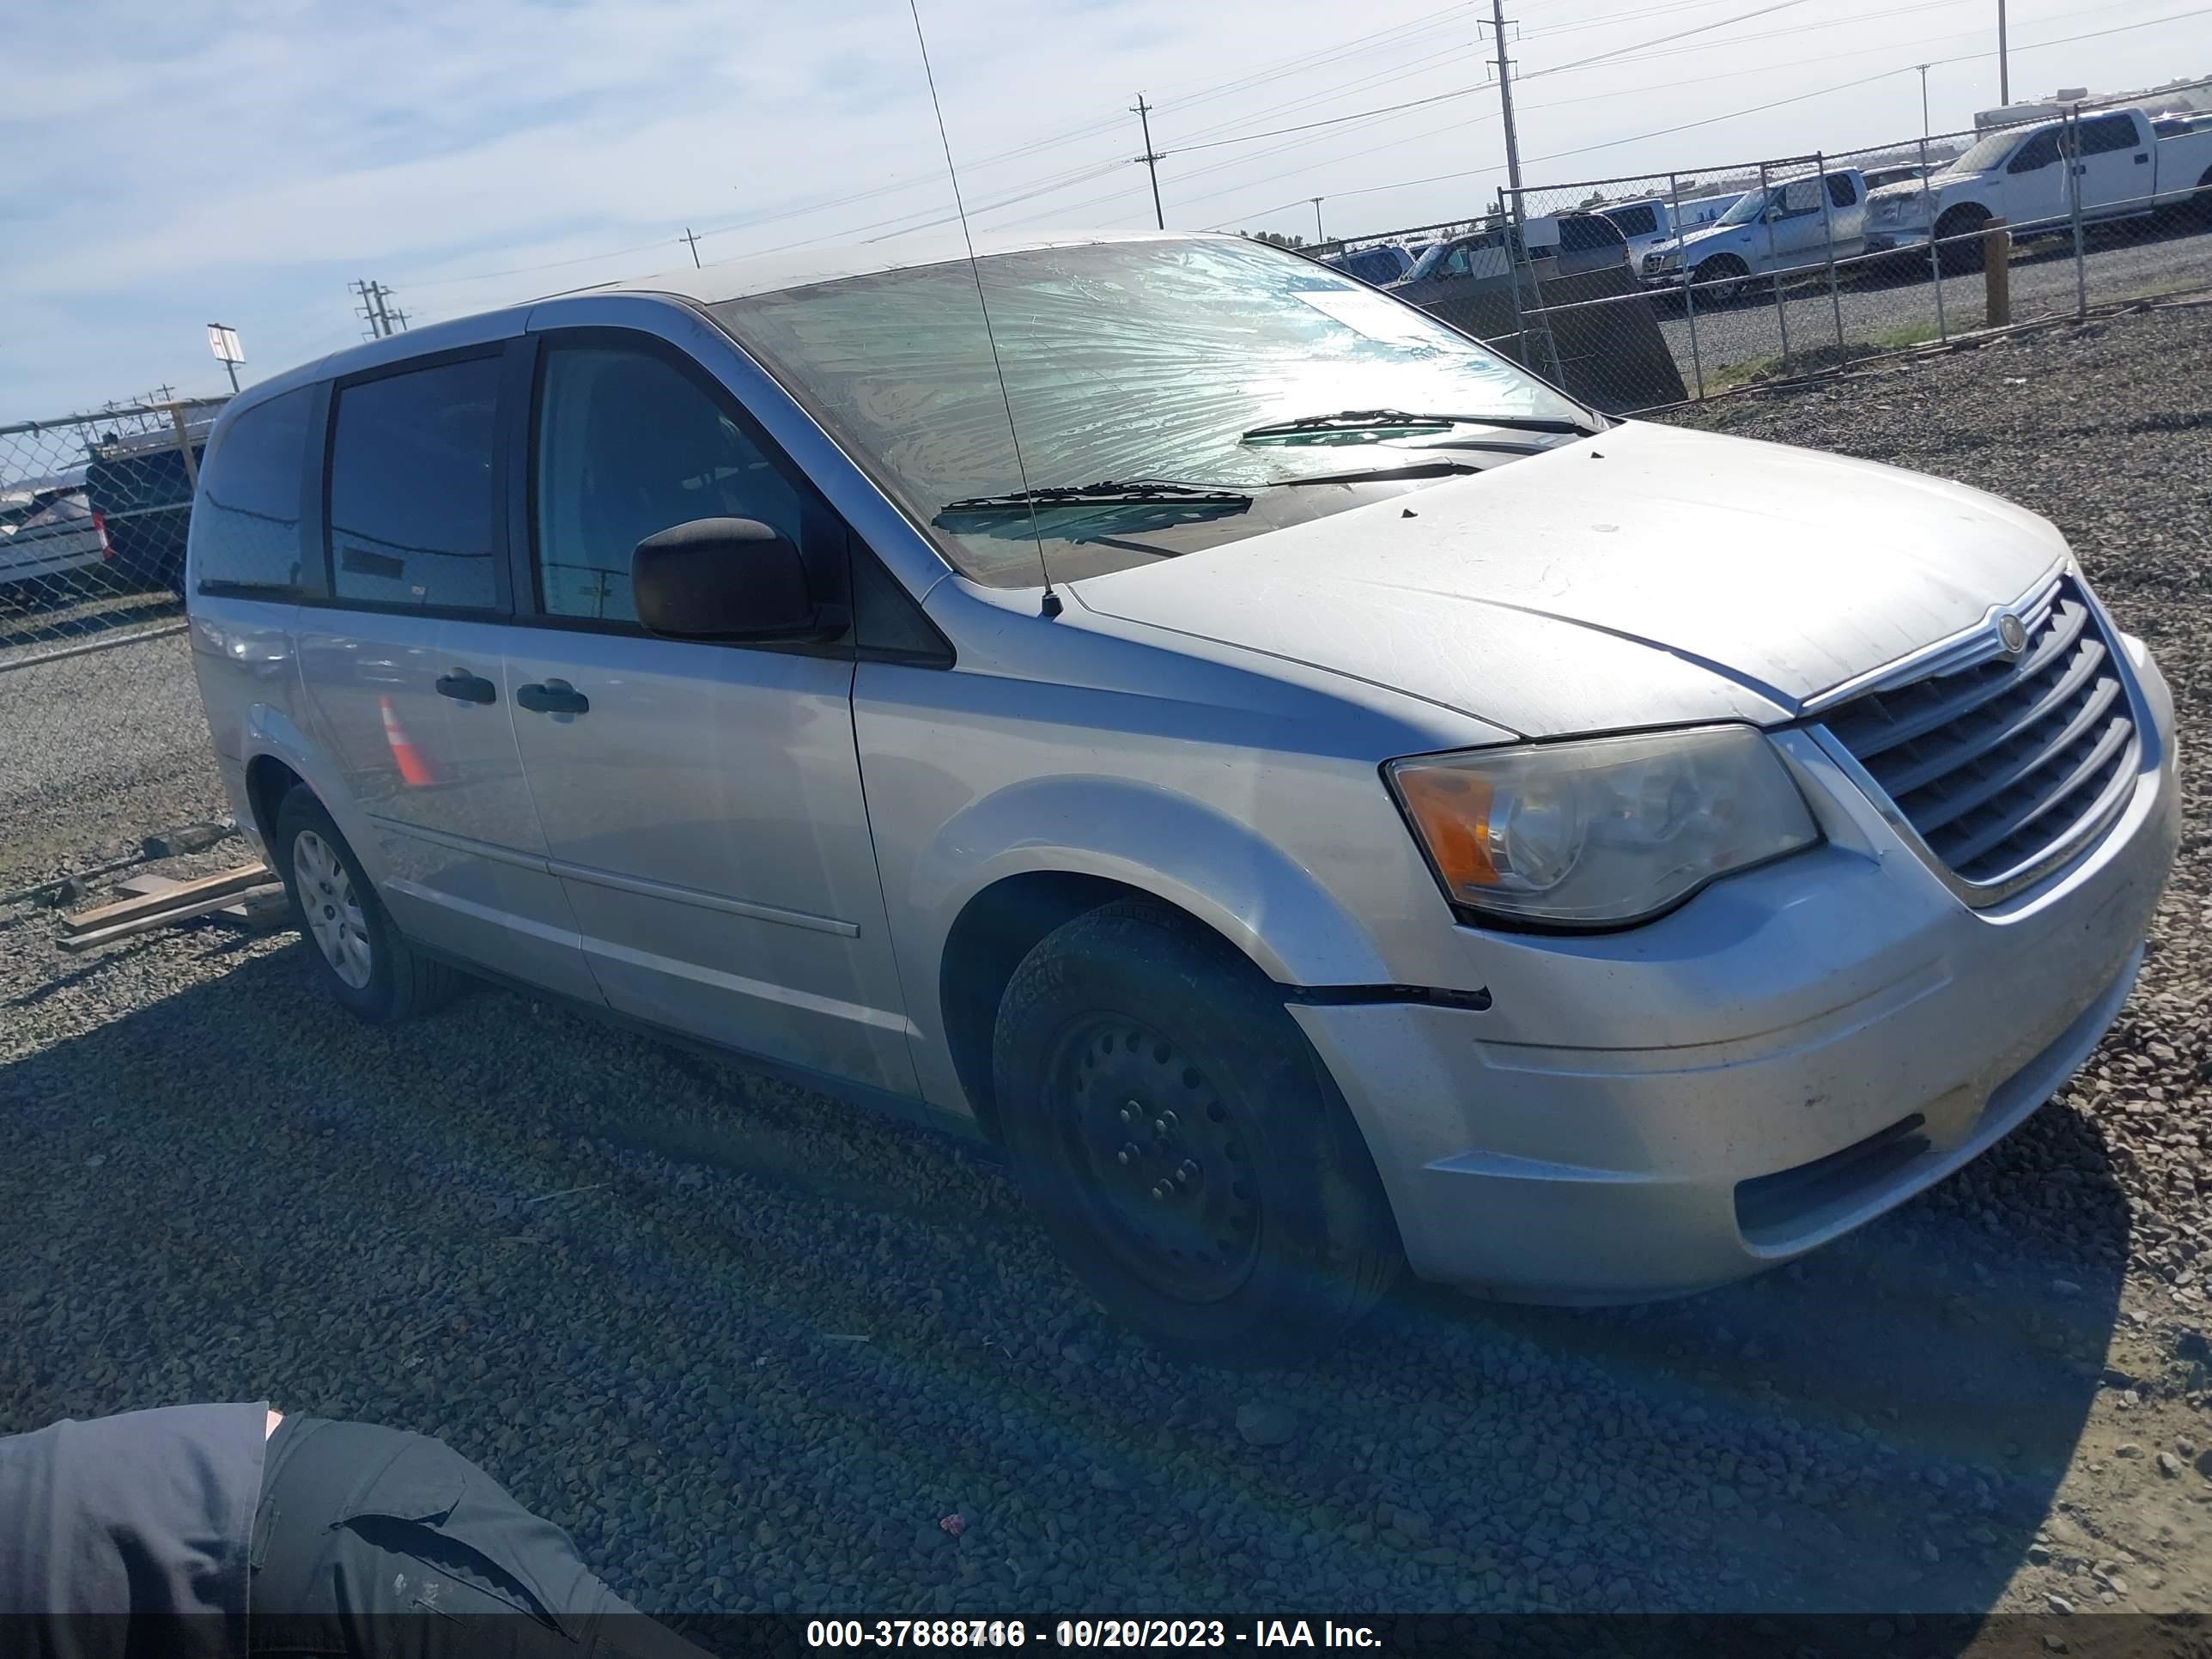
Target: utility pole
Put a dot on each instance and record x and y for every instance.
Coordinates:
(1923, 68)
(372, 308)
(1151, 158)
(1505, 103)
(1318, 236)
(694, 240)
(2004, 69)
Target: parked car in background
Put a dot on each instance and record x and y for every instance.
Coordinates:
(1361, 858)
(1657, 221)
(50, 538)
(2028, 177)
(1562, 245)
(1381, 265)
(1797, 225)
(141, 487)
(1879, 178)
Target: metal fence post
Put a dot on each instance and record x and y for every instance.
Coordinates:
(2071, 137)
(1774, 264)
(1934, 255)
(1689, 299)
(1828, 236)
(1507, 229)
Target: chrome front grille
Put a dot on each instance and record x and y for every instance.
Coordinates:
(2006, 765)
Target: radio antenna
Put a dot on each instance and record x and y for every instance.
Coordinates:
(1051, 606)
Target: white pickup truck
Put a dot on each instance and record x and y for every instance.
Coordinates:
(2027, 177)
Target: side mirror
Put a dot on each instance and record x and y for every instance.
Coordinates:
(727, 578)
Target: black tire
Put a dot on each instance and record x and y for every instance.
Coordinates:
(1274, 1235)
(398, 981)
(1964, 256)
(1721, 268)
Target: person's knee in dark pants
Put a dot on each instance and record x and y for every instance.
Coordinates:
(298, 1535)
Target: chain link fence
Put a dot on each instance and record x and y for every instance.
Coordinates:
(1634, 293)
(94, 510)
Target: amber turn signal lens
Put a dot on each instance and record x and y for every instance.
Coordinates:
(1452, 810)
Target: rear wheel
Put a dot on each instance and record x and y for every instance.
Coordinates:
(1180, 1141)
(367, 966)
(1959, 241)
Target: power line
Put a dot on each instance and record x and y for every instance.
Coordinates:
(1680, 35)
(1356, 46)
(1821, 91)
(1331, 121)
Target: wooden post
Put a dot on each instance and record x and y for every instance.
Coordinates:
(1996, 271)
(185, 444)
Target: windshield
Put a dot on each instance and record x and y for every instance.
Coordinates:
(1122, 360)
(1986, 152)
(1747, 208)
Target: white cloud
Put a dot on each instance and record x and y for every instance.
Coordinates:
(248, 159)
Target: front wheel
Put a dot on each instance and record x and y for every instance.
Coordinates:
(365, 962)
(1959, 250)
(1183, 1145)
(1721, 281)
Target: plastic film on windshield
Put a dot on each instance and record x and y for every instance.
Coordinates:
(1145, 359)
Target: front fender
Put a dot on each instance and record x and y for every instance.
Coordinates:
(1223, 872)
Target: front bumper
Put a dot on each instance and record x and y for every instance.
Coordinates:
(1797, 1050)
(1897, 239)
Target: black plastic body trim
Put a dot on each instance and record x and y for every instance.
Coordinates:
(1344, 996)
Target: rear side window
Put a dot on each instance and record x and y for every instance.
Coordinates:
(1583, 233)
(1842, 191)
(246, 524)
(411, 502)
(2108, 133)
(1642, 219)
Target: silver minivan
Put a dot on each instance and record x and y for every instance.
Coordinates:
(1323, 799)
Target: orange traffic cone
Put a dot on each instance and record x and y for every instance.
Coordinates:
(413, 769)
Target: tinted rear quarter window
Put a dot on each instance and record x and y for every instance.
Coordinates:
(2108, 133)
(1583, 233)
(1642, 219)
(246, 524)
(411, 501)
(1842, 190)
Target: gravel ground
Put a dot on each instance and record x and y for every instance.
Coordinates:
(2121, 262)
(753, 1348)
(80, 787)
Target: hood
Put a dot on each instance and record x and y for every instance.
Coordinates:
(1708, 236)
(1647, 576)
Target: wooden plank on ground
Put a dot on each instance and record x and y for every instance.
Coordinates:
(230, 882)
(146, 924)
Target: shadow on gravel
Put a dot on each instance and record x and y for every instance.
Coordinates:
(67, 619)
(762, 1378)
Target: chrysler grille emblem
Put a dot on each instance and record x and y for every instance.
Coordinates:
(2012, 634)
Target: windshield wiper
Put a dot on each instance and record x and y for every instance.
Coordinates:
(1108, 492)
(1398, 420)
(1167, 491)
(1380, 474)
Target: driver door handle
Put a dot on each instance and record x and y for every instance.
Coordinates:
(464, 687)
(553, 697)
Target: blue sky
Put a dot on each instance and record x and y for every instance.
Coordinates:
(176, 163)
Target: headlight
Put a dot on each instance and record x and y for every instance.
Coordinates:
(1604, 831)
